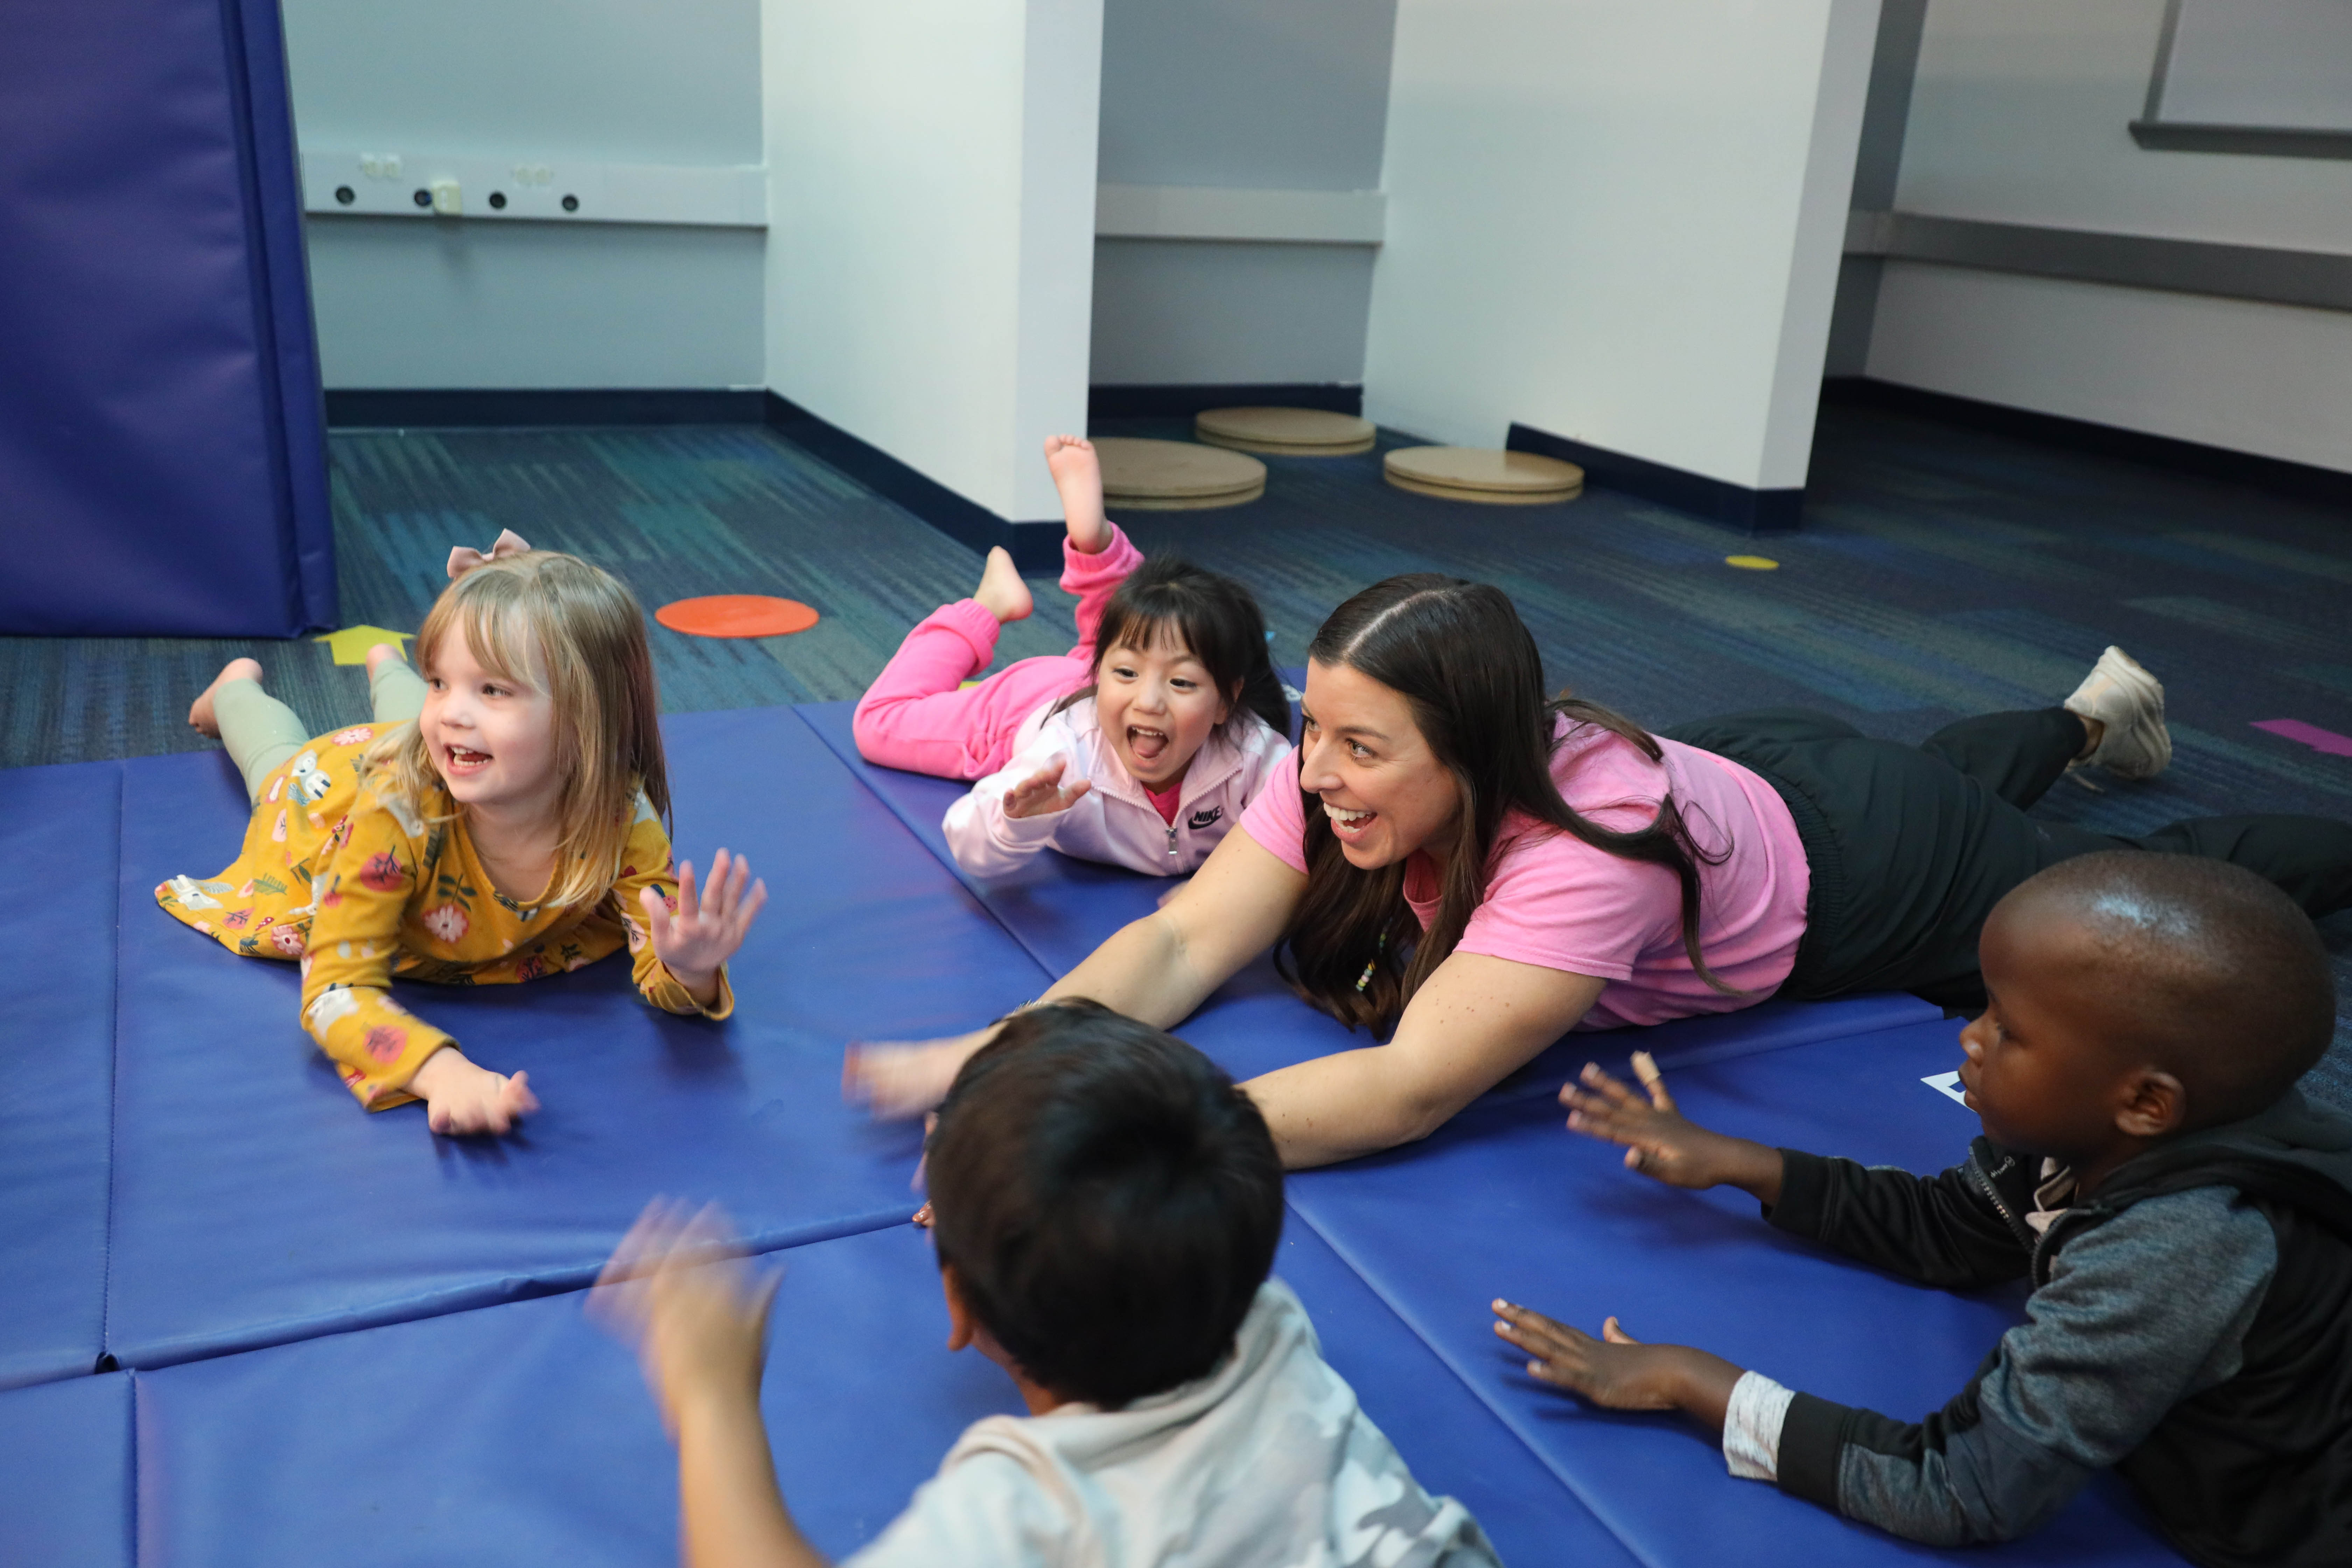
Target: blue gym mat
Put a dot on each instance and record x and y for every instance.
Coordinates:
(1506, 1202)
(254, 1202)
(520, 1433)
(65, 1462)
(60, 830)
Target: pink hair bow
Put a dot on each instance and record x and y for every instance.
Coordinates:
(464, 557)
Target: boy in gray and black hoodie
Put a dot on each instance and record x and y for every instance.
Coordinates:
(2183, 1216)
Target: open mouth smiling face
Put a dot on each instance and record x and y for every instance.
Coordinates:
(491, 737)
(1384, 792)
(1157, 707)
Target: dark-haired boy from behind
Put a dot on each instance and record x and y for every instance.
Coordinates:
(2182, 1214)
(1105, 1206)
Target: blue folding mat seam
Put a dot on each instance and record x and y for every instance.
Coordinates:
(1558, 1223)
(538, 1440)
(59, 833)
(255, 1202)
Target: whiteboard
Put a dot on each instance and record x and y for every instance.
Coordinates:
(2271, 65)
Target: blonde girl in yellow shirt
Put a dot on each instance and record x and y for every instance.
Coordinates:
(500, 820)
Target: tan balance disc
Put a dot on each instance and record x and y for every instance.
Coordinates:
(1175, 475)
(1480, 475)
(1285, 432)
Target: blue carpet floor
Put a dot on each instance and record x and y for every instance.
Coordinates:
(1941, 572)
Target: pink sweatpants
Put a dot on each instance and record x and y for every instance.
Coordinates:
(919, 716)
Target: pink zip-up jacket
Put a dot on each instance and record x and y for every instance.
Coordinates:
(1114, 821)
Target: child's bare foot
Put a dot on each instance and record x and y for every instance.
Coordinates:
(1077, 474)
(378, 654)
(1001, 589)
(200, 711)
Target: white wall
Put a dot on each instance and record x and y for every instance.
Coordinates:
(1252, 94)
(1619, 223)
(930, 237)
(447, 303)
(2018, 115)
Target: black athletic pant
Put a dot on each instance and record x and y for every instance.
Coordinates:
(1910, 848)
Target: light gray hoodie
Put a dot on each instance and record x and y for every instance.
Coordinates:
(1267, 1462)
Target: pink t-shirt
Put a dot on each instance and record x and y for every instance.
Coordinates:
(1559, 903)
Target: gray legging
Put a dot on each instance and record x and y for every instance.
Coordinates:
(261, 733)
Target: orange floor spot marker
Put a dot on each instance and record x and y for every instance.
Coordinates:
(737, 615)
(1752, 562)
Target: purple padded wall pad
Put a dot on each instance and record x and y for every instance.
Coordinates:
(520, 1433)
(59, 831)
(65, 1473)
(254, 1202)
(1506, 1202)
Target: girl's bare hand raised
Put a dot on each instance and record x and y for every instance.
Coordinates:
(706, 929)
(1042, 793)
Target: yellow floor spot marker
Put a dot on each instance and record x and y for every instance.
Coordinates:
(350, 646)
(1752, 562)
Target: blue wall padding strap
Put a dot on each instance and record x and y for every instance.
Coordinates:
(254, 1202)
(65, 1473)
(59, 831)
(521, 1433)
(162, 451)
(1506, 1202)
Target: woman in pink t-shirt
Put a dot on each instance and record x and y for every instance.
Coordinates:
(1452, 857)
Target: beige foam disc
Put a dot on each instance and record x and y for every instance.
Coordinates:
(1183, 503)
(1176, 475)
(1486, 497)
(1501, 475)
(1286, 432)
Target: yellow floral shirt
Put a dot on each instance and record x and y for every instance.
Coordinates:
(362, 886)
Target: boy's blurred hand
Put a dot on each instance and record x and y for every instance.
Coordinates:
(1659, 1143)
(693, 1310)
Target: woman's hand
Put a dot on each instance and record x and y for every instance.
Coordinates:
(462, 1098)
(1660, 1143)
(705, 932)
(1617, 1371)
(1042, 793)
(695, 1313)
(900, 1079)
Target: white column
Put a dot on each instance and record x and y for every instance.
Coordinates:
(1619, 224)
(930, 228)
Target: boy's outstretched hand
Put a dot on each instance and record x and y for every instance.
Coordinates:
(706, 930)
(1659, 1143)
(1617, 1371)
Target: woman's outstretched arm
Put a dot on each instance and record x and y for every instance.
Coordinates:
(1472, 1024)
(1157, 969)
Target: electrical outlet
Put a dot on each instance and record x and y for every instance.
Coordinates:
(446, 201)
(380, 165)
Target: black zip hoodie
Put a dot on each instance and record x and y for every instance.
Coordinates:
(2190, 1325)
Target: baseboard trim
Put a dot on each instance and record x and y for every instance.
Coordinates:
(1717, 500)
(427, 408)
(2280, 476)
(1036, 547)
(1179, 400)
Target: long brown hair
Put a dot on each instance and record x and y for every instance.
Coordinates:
(556, 623)
(1458, 655)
